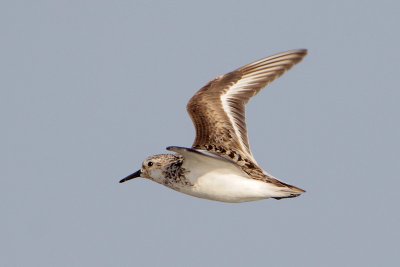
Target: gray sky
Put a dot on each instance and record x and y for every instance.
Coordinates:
(89, 89)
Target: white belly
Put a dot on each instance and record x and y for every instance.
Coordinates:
(228, 187)
(215, 178)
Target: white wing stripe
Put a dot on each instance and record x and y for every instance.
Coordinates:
(228, 105)
(233, 96)
(259, 72)
(225, 99)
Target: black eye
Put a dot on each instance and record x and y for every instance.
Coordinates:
(150, 163)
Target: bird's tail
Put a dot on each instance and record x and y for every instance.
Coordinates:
(288, 191)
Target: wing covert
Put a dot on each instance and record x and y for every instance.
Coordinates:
(218, 109)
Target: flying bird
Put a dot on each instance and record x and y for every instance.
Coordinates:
(220, 166)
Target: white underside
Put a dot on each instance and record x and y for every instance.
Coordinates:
(221, 180)
(228, 187)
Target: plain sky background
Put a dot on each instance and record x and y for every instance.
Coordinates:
(89, 89)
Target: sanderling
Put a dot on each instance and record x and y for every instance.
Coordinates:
(219, 165)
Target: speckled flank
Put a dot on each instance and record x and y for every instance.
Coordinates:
(175, 174)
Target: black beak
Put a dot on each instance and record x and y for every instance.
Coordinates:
(133, 175)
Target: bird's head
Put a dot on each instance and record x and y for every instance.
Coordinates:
(154, 167)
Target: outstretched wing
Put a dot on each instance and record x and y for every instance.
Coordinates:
(218, 109)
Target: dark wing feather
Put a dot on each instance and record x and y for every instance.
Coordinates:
(218, 109)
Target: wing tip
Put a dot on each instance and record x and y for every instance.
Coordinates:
(294, 55)
(302, 52)
(296, 51)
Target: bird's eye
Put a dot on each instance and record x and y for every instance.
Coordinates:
(150, 163)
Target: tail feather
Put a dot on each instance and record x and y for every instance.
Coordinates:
(289, 191)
